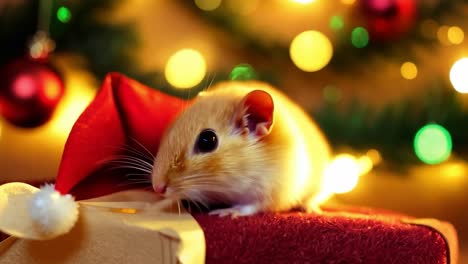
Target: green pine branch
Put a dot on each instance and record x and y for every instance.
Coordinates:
(392, 129)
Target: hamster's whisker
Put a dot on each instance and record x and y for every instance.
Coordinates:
(211, 190)
(190, 206)
(135, 161)
(211, 82)
(136, 153)
(139, 176)
(192, 176)
(143, 147)
(134, 167)
(129, 151)
(207, 182)
(200, 181)
(142, 161)
(126, 184)
(216, 192)
(203, 204)
(129, 165)
(139, 180)
(195, 201)
(196, 204)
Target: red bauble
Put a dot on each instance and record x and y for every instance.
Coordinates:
(29, 92)
(389, 19)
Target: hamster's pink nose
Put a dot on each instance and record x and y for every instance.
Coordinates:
(160, 188)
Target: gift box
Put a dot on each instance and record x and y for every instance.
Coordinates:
(341, 235)
(124, 227)
(115, 224)
(125, 232)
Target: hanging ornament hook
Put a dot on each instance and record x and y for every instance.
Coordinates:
(41, 44)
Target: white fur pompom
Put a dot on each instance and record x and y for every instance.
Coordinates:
(53, 214)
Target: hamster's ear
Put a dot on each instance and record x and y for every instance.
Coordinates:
(255, 113)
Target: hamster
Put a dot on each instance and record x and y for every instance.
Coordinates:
(245, 144)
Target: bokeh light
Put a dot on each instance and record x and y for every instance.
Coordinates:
(442, 35)
(36, 50)
(365, 164)
(208, 5)
(380, 6)
(80, 91)
(348, 2)
(185, 68)
(24, 87)
(242, 7)
(63, 14)
(243, 72)
(304, 2)
(336, 22)
(459, 75)
(359, 37)
(342, 174)
(374, 155)
(311, 51)
(455, 35)
(53, 90)
(432, 144)
(409, 70)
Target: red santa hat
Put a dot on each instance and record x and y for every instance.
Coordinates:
(124, 111)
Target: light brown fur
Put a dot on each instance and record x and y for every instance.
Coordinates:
(243, 170)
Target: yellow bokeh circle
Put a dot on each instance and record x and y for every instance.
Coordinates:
(185, 69)
(409, 70)
(311, 51)
(455, 35)
(342, 174)
(348, 2)
(208, 5)
(304, 2)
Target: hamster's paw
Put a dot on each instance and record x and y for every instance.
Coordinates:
(315, 209)
(236, 211)
(312, 207)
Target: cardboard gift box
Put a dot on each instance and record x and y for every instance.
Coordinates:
(125, 227)
(117, 225)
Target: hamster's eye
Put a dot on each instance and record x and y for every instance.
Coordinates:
(207, 141)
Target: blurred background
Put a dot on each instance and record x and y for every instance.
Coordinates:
(385, 79)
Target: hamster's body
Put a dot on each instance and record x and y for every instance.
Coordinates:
(274, 168)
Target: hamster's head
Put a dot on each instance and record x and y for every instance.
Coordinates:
(211, 152)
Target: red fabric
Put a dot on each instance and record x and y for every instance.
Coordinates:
(306, 238)
(124, 111)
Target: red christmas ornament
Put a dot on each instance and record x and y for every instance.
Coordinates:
(389, 19)
(29, 92)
